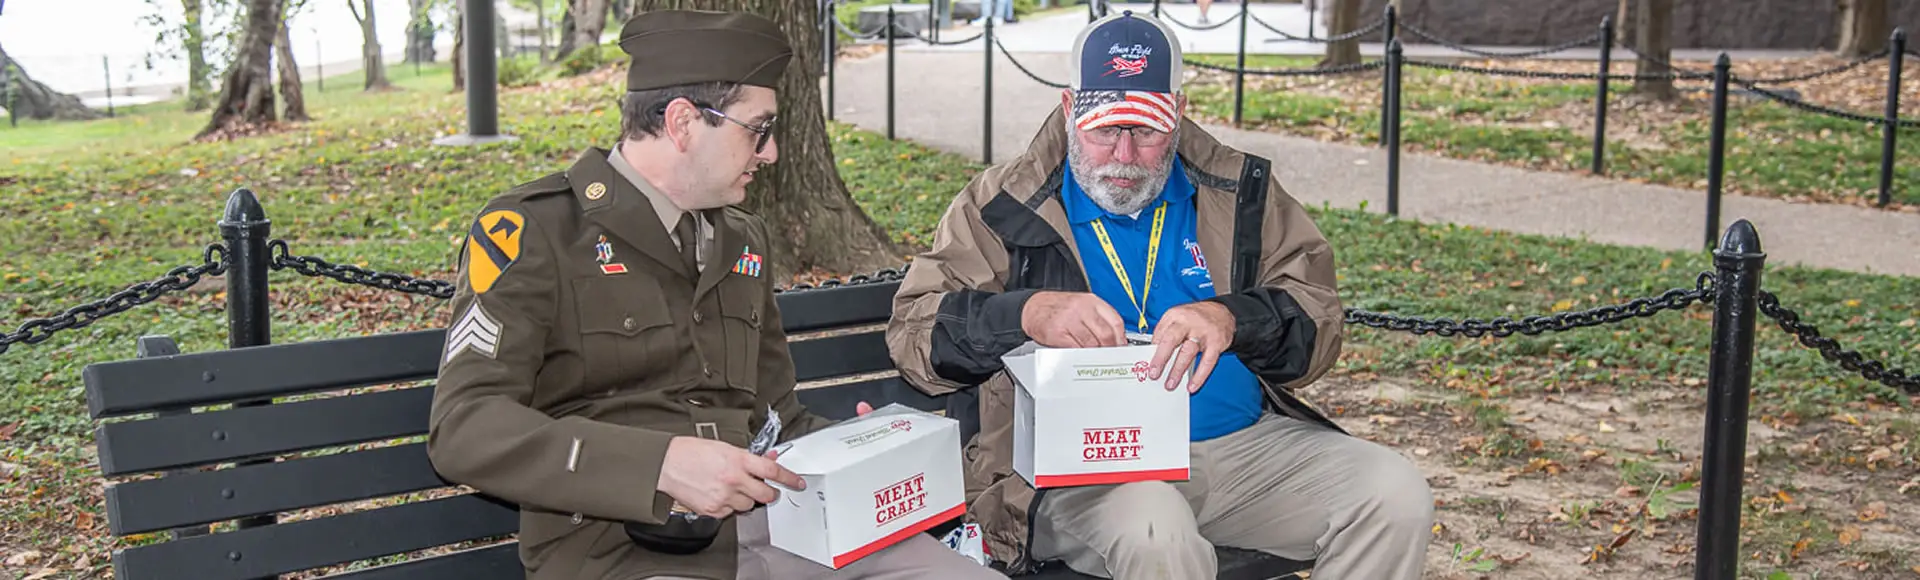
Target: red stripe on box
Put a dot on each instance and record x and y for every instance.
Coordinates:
(1111, 477)
(842, 560)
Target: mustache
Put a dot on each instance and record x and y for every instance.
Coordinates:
(1123, 171)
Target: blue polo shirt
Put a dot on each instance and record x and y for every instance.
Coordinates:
(1230, 400)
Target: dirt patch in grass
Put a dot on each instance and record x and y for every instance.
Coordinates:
(1602, 483)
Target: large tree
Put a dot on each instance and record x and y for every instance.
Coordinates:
(185, 38)
(1864, 27)
(246, 93)
(1344, 18)
(25, 97)
(1653, 42)
(581, 28)
(459, 56)
(376, 71)
(802, 198)
(420, 32)
(290, 89)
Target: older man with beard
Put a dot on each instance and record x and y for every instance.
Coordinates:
(1123, 217)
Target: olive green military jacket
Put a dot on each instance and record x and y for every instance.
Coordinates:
(580, 344)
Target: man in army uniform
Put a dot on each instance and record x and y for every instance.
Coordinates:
(615, 341)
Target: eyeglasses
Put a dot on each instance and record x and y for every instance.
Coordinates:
(1142, 136)
(764, 131)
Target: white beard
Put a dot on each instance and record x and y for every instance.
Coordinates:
(1147, 182)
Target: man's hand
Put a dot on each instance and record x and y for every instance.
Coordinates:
(716, 479)
(1071, 320)
(1200, 330)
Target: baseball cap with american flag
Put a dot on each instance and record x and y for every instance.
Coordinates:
(1127, 73)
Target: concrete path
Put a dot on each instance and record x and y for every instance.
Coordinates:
(938, 103)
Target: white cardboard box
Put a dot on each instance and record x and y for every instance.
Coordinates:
(1090, 416)
(872, 481)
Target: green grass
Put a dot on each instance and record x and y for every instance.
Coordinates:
(1771, 150)
(91, 207)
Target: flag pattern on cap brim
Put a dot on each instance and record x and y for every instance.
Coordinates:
(1106, 108)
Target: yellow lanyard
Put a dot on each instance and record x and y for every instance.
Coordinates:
(1120, 271)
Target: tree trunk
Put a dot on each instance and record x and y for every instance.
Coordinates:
(459, 56)
(420, 32)
(370, 48)
(246, 94)
(589, 19)
(540, 13)
(290, 78)
(805, 204)
(199, 86)
(1864, 27)
(1653, 42)
(30, 99)
(1344, 18)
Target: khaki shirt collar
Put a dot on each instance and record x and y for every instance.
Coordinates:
(669, 213)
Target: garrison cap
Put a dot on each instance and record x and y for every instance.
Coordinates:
(678, 47)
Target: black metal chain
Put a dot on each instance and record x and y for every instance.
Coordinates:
(1169, 18)
(1834, 70)
(1821, 110)
(213, 262)
(1554, 75)
(1023, 68)
(881, 276)
(1293, 72)
(1851, 360)
(351, 274)
(1675, 299)
(1592, 39)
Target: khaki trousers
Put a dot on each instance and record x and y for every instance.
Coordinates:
(1288, 487)
(918, 557)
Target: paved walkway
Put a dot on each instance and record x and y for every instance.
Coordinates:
(938, 103)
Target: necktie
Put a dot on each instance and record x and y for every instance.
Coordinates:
(689, 241)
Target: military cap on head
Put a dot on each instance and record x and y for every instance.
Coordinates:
(678, 47)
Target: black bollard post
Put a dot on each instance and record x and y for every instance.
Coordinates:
(1600, 97)
(890, 43)
(1392, 114)
(1717, 145)
(1890, 130)
(986, 98)
(1240, 69)
(1386, 38)
(1156, 8)
(245, 229)
(1736, 287)
(107, 71)
(319, 68)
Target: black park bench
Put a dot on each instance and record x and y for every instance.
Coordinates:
(221, 485)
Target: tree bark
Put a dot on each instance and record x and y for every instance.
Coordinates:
(376, 72)
(199, 85)
(420, 32)
(1343, 18)
(1653, 43)
(589, 19)
(290, 89)
(1864, 27)
(33, 100)
(806, 206)
(540, 14)
(246, 94)
(459, 56)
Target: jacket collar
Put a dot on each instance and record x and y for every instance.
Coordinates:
(623, 211)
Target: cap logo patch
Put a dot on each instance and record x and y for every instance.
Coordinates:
(1128, 60)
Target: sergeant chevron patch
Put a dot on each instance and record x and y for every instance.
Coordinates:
(476, 331)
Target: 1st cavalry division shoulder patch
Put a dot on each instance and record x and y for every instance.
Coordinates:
(493, 244)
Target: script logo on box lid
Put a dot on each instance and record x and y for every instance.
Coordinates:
(1110, 372)
(877, 433)
(899, 499)
(1098, 444)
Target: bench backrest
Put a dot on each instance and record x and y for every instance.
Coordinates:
(208, 449)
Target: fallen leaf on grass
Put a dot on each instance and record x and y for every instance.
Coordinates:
(1799, 547)
(1849, 535)
(6, 431)
(43, 573)
(1874, 511)
(1604, 427)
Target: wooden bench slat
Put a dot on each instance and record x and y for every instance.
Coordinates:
(295, 546)
(249, 432)
(201, 497)
(833, 356)
(495, 562)
(253, 373)
(837, 402)
(809, 310)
